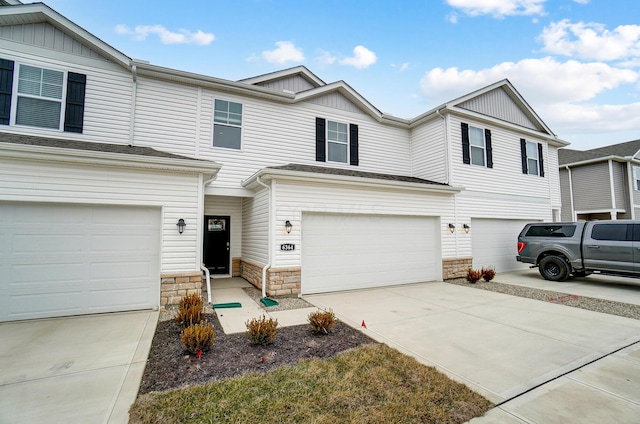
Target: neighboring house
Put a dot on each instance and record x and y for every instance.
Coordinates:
(297, 185)
(602, 183)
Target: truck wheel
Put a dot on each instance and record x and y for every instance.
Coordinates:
(554, 268)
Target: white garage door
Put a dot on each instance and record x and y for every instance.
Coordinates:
(58, 260)
(343, 252)
(494, 243)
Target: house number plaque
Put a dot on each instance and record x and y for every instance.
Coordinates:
(288, 247)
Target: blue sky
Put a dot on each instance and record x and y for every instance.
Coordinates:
(577, 62)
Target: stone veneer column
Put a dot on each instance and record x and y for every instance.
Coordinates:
(455, 267)
(173, 287)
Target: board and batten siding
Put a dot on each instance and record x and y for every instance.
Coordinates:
(107, 109)
(506, 176)
(232, 207)
(255, 227)
(294, 84)
(293, 198)
(591, 187)
(497, 103)
(428, 156)
(175, 193)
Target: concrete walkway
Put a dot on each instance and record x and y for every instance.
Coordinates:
(84, 369)
(587, 364)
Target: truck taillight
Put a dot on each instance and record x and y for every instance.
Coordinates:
(521, 246)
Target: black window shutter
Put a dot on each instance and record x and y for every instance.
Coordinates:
(540, 160)
(6, 85)
(487, 144)
(466, 154)
(320, 140)
(74, 112)
(523, 153)
(353, 144)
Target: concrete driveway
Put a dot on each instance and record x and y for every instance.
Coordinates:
(84, 369)
(539, 362)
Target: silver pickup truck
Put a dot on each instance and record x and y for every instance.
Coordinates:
(562, 249)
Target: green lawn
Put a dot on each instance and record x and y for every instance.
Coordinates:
(371, 384)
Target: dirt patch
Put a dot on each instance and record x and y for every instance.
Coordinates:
(170, 366)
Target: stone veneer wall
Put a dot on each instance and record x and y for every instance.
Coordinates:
(173, 287)
(280, 281)
(235, 267)
(455, 267)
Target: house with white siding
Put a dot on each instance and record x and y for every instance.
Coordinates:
(601, 183)
(122, 181)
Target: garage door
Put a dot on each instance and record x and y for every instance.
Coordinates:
(494, 243)
(343, 252)
(58, 260)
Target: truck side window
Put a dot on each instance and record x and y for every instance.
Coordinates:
(551, 231)
(613, 232)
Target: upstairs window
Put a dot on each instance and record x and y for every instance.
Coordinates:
(532, 162)
(476, 146)
(636, 174)
(336, 142)
(227, 126)
(39, 97)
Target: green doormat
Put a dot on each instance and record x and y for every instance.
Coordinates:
(268, 302)
(227, 305)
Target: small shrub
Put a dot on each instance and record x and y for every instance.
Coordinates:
(322, 321)
(189, 316)
(191, 300)
(198, 337)
(262, 330)
(488, 274)
(473, 275)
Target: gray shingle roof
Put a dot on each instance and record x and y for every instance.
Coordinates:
(629, 148)
(89, 146)
(353, 173)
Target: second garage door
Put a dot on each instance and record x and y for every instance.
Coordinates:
(494, 243)
(61, 259)
(344, 252)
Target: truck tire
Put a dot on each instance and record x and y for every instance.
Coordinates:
(554, 268)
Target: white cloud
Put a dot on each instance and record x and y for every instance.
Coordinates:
(404, 67)
(582, 1)
(362, 58)
(326, 58)
(497, 8)
(183, 36)
(285, 52)
(560, 92)
(591, 40)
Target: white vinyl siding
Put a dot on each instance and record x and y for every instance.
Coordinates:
(255, 228)
(175, 193)
(428, 151)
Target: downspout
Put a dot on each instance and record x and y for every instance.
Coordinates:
(134, 95)
(202, 267)
(447, 175)
(631, 184)
(613, 192)
(268, 265)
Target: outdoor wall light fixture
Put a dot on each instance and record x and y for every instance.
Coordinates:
(466, 227)
(452, 228)
(288, 226)
(181, 224)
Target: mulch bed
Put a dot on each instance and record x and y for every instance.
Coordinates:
(170, 366)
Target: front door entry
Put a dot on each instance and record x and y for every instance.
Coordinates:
(217, 244)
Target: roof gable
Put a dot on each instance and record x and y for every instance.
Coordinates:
(39, 19)
(294, 80)
(627, 150)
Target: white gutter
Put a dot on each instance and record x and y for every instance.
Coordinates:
(268, 265)
(132, 113)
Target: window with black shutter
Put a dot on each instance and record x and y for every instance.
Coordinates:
(532, 158)
(337, 142)
(476, 146)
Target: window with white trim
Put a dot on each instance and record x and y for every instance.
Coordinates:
(337, 142)
(636, 175)
(533, 167)
(227, 124)
(476, 145)
(39, 97)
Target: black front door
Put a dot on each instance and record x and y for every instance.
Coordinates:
(216, 244)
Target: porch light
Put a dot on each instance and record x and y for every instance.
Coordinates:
(181, 224)
(452, 228)
(288, 226)
(466, 228)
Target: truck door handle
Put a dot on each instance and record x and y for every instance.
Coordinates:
(593, 246)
